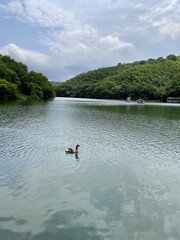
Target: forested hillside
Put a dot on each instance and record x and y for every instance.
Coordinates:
(17, 83)
(154, 79)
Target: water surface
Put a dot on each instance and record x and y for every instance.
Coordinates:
(123, 183)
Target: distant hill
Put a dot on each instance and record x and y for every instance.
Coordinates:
(17, 83)
(56, 83)
(153, 79)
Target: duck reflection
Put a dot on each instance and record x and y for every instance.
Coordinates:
(76, 156)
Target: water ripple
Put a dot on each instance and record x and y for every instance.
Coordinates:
(123, 183)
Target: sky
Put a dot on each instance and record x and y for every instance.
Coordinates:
(63, 38)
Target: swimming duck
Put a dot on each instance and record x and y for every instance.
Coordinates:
(72, 150)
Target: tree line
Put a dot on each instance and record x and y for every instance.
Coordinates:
(152, 79)
(16, 82)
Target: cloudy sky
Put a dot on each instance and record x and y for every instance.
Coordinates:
(62, 38)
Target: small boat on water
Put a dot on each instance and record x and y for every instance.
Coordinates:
(173, 99)
(140, 100)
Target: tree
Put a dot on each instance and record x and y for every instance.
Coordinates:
(8, 74)
(173, 88)
(8, 91)
(149, 79)
(172, 57)
(33, 85)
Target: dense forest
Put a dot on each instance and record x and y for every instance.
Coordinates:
(153, 79)
(17, 83)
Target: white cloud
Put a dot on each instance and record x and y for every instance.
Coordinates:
(41, 13)
(167, 27)
(29, 57)
(163, 17)
(165, 7)
(114, 43)
(81, 34)
(65, 34)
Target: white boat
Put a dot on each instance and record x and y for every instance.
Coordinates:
(173, 99)
(140, 100)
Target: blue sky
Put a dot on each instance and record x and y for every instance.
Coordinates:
(62, 38)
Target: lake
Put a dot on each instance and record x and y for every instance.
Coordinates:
(122, 185)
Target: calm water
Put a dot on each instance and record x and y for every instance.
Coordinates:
(123, 184)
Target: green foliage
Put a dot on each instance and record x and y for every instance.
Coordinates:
(34, 90)
(40, 80)
(173, 87)
(8, 91)
(172, 57)
(154, 79)
(21, 82)
(8, 74)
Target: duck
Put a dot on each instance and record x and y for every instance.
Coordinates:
(72, 150)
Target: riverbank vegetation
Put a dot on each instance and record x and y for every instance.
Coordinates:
(17, 83)
(153, 79)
